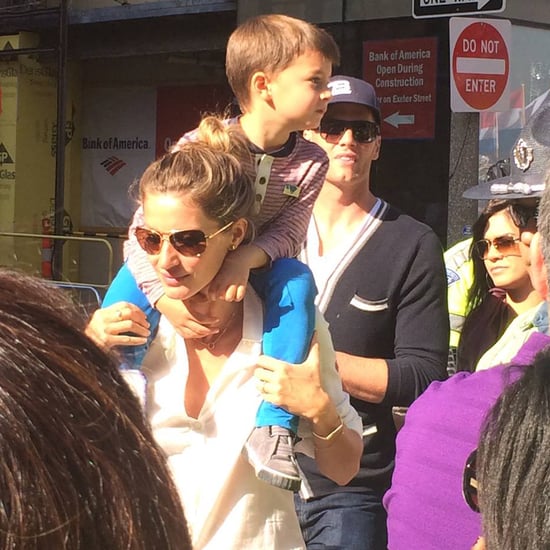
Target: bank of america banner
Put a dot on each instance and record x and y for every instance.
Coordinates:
(118, 143)
(124, 129)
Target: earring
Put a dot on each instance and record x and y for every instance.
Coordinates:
(232, 247)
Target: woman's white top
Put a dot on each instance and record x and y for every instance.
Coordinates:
(226, 506)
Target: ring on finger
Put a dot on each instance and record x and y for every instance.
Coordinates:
(119, 314)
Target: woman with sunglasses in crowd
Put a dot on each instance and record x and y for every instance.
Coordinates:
(501, 291)
(201, 395)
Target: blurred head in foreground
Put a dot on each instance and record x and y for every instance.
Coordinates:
(79, 467)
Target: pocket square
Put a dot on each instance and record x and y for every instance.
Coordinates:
(369, 305)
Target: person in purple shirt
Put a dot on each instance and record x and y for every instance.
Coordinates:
(425, 506)
(511, 466)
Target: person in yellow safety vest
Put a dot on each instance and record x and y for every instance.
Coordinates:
(460, 277)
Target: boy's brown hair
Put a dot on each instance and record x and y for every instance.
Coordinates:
(270, 43)
(213, 170)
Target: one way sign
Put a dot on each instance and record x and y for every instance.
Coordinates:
(449, 8)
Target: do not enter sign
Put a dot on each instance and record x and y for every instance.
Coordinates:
(480, 64)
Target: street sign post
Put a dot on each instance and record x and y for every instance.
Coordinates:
(480, 64)
(448, 8)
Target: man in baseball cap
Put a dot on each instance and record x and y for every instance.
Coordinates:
(382, 289)
(347, 89)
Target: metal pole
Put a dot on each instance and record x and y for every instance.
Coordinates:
(63, 238)
(59, 200)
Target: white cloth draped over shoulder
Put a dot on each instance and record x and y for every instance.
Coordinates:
(226, 506)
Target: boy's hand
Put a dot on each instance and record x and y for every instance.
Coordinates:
(230, 282)
(183, 321)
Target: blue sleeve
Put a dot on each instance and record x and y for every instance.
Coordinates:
(288, 293)
(125, 288)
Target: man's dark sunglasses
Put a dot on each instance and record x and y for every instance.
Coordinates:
(188, 242)
(363, 131)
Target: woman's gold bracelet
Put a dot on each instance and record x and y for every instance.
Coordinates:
(332, 434)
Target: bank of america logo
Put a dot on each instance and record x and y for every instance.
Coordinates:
(113, 165)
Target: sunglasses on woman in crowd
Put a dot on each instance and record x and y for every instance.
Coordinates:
(187, 242)
(507, 245)
(363, 131)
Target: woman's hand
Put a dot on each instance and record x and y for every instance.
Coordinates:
(297, 388)
(121, 324)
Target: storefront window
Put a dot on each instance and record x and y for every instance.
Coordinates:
(529, 87)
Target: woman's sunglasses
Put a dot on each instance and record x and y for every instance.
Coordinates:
(363, 131)
(188, 242)
(507, 245)
(469, 482)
